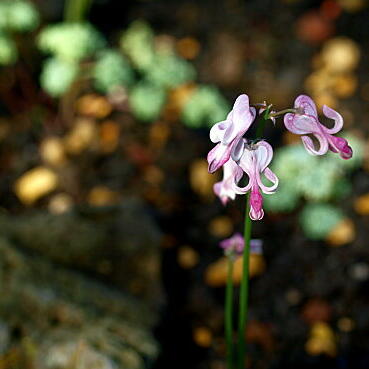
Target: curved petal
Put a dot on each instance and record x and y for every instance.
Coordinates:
(338, 120)
(309, 145)
(256, 215)
(301, 124)
(238, 174)
(339, 144)
(217, 188)
(263, 155)
(217, 131)
(256, 204)
(219, 191)
(272, 178)
(246, 161)
(242, 117)
(242, 190)
(238, 149)
(231, 171)
(218, 156)
(307, 104)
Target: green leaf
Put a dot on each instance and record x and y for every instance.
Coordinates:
(57, 76)
(205, 107)
(112, 69)
(138, 44)
(284, 200)
(70, 42)
(317, 220)
(169, 71)
(147, 101)
(8, 50)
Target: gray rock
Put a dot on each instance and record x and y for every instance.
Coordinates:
(58, 318)
(117, 244)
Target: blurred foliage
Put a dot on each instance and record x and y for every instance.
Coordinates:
(317, 220)
(112, 69)
(138, 43)
(316, 179)
(15, 16)
(206, 106)
(18, 15)
(147, 101)
(8, 50)
(57, 76)
(147, 69)
(70, 41)
(170, 71)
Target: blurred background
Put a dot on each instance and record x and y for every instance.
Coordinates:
(109, 227)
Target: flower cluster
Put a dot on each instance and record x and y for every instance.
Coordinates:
(238, 155)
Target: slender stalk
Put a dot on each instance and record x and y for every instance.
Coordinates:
(244, 289)
(229, 314)
(75, 10)
(261, 126)
(281, 112)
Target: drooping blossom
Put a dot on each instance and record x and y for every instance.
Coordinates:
(224, 189)
(305, 121)
(254, 162)
(227, 133)
(235, 245)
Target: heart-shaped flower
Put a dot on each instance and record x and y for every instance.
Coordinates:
(305, 121)
(254, 162)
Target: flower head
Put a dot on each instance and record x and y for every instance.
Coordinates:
(305, 121)
(224, 189)
(227, 133)
(254, 162)
(235, 245)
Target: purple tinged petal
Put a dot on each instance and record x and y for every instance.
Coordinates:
(256, 215)
(263, 155)
(233, 245)
(242, 118)
(256, 204)
(238, 149)
(224, 189)
(309, 145)
(301, 124)
(339, 144)
(254, 161)
(217, 131)
(246, 162)
(307, 104)
(272, 178)
(218, 156)
(338, 120)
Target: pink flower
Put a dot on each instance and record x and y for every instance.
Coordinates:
(305, 121)
(236, 244)
(232, 173)
(254, 162)
(227, 133)
(233, 245)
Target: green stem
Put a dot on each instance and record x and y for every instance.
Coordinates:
(229, 313)
(244, 289)
(281, 112)
(261, 126)
(75, 10)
